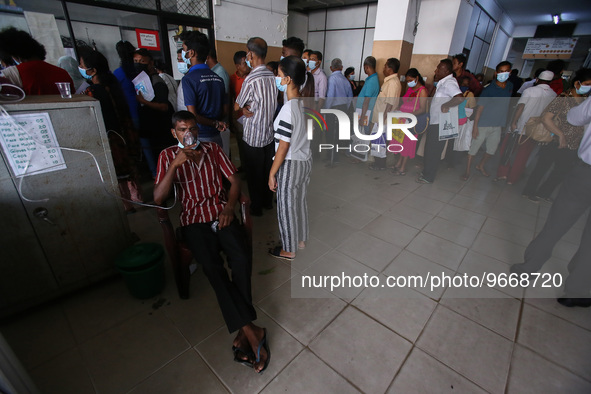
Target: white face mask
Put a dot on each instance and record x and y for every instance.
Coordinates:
(312, 64)
(351, 77)
(188, 140)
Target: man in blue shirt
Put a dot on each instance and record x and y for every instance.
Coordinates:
(491, 117)
(203, 89)
(371, 88)
(338, 86)
(338, 96)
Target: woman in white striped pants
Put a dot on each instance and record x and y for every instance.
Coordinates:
(290, 172)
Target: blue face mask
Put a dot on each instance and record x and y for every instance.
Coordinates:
(83, 73)
(435, 83)
(281, 58)
(187, 61)
(503, 77)
(305, 61)
(248, 64)
(183, 68)
(464, 89)
(583, 90)
(282, 88)
(16, 61)
(312, 64)
(412, 84)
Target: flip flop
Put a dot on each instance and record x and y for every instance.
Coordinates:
(263, 343)
(276, 252)
(238, 352)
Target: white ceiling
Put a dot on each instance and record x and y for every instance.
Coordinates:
(522, 12)
(539, 12)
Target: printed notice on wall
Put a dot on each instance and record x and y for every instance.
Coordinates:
(561, 48)
(32, 148)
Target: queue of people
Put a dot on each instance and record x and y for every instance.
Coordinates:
(261, 103)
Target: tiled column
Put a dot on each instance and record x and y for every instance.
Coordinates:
(443, 25)
(393, 37)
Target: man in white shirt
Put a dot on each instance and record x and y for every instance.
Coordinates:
(447, 95)
(529, 84)
(574, 199)
(532, 103)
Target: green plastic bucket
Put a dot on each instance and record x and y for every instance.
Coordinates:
(142, 268)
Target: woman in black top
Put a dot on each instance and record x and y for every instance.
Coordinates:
(123, 139)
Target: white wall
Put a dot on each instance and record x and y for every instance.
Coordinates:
(342, 42)
(524, 31)
(17, 21)
(436, 21)
(499, 47)
(582, 29)
(395, 20)
(507, 24)
(461, 28)
(237, 21)
(297, 25)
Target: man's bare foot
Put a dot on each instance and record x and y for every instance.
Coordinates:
(465, 176)
(257, 338)
(482, 171)
(241, 347)
(301, 245)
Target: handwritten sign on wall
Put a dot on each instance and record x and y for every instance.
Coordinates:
(32, 148)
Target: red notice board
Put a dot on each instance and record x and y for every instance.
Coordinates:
(148, 39)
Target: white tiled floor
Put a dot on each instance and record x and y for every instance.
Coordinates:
(102, 340)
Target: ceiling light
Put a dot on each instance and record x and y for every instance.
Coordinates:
(556, 19)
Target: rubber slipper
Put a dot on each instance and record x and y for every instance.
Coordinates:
(239, 353)
(265, 345)
(276, 252)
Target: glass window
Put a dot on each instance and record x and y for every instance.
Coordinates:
(187, 7)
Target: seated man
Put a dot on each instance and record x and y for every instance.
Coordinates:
(208, 226)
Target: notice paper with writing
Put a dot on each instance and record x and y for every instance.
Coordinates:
(32, 148)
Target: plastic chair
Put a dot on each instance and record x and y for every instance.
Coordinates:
(179, 253)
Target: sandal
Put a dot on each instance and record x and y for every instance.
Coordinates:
(398, 172)
(374, 168)
(239, 352)
(264, 344)
(500, 178)
(276, 252)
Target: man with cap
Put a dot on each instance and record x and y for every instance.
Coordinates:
(532, 103)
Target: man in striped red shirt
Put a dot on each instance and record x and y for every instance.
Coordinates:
(209, 226)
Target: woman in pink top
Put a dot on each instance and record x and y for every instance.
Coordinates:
(414, 101)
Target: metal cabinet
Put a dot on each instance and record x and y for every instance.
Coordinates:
(71, 239)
